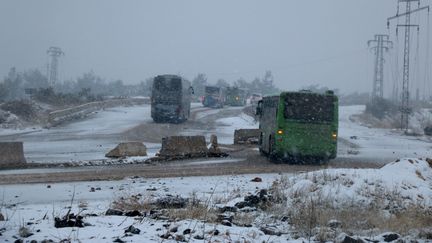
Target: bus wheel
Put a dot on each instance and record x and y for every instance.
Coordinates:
(272, 154)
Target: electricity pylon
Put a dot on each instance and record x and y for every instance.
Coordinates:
(54, 53)
(379, 45)
(405, 107)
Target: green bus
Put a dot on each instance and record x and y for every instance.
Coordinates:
(235, 96)
(299, 126)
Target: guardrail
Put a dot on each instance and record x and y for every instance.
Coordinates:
(57, 117)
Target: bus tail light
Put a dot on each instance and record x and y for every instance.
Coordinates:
(334, 135)
(280, 132)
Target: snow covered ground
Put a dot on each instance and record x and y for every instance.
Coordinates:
(88, 139)
(91, 138)
(35, 206)
(382, 145)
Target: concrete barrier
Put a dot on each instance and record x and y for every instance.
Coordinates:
(11, 154)
(183, 146)
(128, 149)
(57, 117)
(247, 136)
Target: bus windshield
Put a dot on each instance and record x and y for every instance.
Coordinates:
(163, 84)
(309, 107)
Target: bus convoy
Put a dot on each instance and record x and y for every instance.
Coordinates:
(294, 126)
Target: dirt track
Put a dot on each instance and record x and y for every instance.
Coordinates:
(249, 162)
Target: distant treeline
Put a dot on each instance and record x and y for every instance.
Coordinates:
(90, 87)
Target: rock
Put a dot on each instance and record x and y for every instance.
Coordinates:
(69, 220)
(334, 224)
(24, 232)
(33, 241)
(270, 230)
(133, 213)
(166, 236)
(131, 229)
(118, 240)
(92, 189)
(228, 209)
(115, 212)
(198, 237)
(390, 237)
(180, 238)
(174, 229)
(47, 241)
(19, 241)
(248, 209)
(2, 218)
(257, 179)
(226, 223)
(171, 202)
(249, 201)
(225, 216)
(128, 149)
(187, 231)
(344, 238)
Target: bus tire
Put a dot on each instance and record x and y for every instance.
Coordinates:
(272, 154)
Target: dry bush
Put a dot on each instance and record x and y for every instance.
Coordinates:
(132, 202)
(198, 212)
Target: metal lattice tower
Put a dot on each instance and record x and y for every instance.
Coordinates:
(54, 53)
(405, 106)
(380, 44)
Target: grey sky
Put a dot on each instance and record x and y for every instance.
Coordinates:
(301, 42)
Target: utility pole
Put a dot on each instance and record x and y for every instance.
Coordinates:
(380, 44)
(405, 106)
(54, 53)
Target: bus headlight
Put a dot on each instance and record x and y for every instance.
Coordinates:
(237, 98)
(334, 135)
(280, 132)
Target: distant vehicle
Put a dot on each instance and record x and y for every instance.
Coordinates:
(235, 96)
(170, 99)
(255, 98)
(213, 97)
(299, 126)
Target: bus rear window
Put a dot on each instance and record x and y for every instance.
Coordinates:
(309, 107)
(163, 84)
(211, 90)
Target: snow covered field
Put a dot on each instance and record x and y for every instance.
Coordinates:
(35, 206)
(382, 145)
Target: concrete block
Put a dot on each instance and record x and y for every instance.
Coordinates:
(11, 154)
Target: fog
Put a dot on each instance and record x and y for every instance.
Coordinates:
(301, 42)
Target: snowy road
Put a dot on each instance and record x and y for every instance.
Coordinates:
(91, 138)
